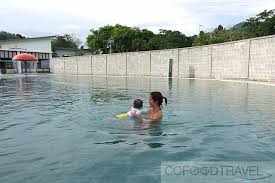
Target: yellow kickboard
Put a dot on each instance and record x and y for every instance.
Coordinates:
(125, 115)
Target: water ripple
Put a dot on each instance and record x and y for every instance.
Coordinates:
(62, 128)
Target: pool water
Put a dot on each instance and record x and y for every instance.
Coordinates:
(62, 129)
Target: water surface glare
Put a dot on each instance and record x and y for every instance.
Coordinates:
(61, 128)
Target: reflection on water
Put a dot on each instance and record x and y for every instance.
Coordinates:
(62, 129)
(170, 81)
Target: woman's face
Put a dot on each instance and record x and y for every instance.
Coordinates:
(152, 103)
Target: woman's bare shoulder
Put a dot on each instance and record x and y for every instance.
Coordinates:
(158, 115)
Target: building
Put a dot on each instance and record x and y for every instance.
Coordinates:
(65, 52)
(40, 47)
(70, 52)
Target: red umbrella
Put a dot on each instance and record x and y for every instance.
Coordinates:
(24, 57)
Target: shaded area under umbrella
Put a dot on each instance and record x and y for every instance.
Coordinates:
(24, 57)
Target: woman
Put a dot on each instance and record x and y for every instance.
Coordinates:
(155, 102)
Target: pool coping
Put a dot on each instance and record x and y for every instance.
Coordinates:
(267, 83)
(262, 82)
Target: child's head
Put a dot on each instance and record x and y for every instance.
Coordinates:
(138, 104)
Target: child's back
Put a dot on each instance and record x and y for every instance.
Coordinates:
(135, 110)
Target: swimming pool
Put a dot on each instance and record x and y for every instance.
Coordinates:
(61, 128)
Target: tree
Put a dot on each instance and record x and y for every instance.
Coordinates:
(167, 39)
(6, 35)
(219, 35)
(135, 39)
(220, 28)
(202, 39)
(125, 38)
(65, 41)
(97, 39)
(262, 24)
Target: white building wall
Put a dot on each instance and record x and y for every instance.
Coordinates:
(28, 45)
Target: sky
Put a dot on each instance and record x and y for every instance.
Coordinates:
(33, 18)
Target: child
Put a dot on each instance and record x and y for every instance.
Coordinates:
(135, 110)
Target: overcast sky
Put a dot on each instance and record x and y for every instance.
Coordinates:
(52, 17)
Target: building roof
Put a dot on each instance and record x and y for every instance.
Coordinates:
(29, 38)
(67, 49)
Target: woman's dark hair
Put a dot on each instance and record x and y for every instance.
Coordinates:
(157, 96)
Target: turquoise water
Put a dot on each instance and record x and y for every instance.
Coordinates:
(61, 129)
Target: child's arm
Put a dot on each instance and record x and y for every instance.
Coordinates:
(136, 115)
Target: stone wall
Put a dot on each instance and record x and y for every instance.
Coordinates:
(58, 65)
(195, 62)
(116, 64)
(262, 59)
(99, 66)
(246, 59)
(230, 60)
(71, 65)
(160, 62)
(84, 65)
(138, 64)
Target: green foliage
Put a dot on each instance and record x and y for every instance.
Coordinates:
(134, 39)
(219, 35)
(167, 39)
(202, 39)
(6, 35)
(262, 24)
(65, 41)
(97, 40)
(81, 51)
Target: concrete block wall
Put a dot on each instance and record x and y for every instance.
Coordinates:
(262, 59)
(99, 64)
(58, 66)
(195, 62)
(138, 63)
(116, 64)
(160, 62)
(246, 59)
(84, 65)
(230, 60)
(71, 65)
